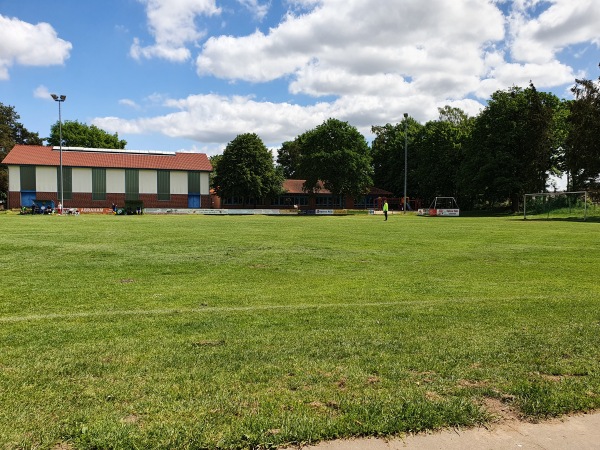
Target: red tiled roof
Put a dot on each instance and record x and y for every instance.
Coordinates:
(295, 187)
(47, 156)
(382, 192)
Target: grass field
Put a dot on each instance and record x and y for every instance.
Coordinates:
(245, 332)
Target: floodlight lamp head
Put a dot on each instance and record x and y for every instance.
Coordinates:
(58, 98)
(63, 98)
(406, 115)
(54, 96)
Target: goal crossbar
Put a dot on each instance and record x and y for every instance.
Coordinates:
(555, 194)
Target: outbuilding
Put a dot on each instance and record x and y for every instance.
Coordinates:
(294, 196)
(101, 178)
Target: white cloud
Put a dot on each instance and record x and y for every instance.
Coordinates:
(370, 62)
(537, 39)
(258, 10)
(552, 73)
(29, 45)
(42, 92)
(215, 119)
(357, 38)
(128, 102)
(172, 23)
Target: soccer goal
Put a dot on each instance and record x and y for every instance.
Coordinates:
(556, 205)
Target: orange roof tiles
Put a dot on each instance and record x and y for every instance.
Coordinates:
(47, 156)
(295, 187)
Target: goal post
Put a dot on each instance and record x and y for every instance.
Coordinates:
(565, 205)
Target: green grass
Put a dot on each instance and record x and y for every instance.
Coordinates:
(246, 332)
(560, 208)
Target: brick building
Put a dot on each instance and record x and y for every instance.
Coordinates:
(294, 196)
(99, 178)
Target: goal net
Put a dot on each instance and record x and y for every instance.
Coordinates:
(558, 205)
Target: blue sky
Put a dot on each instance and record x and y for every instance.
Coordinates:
(192, 74)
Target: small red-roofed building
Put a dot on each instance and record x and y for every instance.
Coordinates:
(295, 197)
(102, 178)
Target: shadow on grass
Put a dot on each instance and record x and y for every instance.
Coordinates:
(519, 216)
(563, 219)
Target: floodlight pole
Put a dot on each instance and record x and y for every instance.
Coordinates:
(60, 99)
(405, 159)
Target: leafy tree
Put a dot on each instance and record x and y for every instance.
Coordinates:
(337, 155)
(76, 134)
(582, 155)
(454, 116)
(214, 162)
(512, 147)
(388, 155)
(439, 149)
(288, 158)
(246, 170)
(562, 117)
(12, 132)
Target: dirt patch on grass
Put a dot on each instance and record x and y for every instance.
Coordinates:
(208, 343)
(473, 384)
(63, 446)
(501, 409)
(131, 419)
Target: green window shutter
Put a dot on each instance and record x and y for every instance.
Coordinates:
(163, 184)
(28, 178)
(98, 183)
(194, 182)
(132, 184)
(68, 182)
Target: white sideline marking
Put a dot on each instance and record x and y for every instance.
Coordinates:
(174, 311)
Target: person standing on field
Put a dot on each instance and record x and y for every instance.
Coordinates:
(385, 209)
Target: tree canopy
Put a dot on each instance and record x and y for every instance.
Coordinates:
(582, 153)
(511, 148)
(288, 158)
(246, 170)
(336, 154)
(388, 155)
(12, 132)
(76, 134)
(440, 153)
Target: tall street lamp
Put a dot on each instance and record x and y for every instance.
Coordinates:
(60, 99)
(405, 158)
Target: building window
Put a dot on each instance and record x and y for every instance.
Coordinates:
(323, 201)
(367, 201)
(27, 178)
(290, 200)
(163, 184)
(194, 182)
(232, 201)
(98, 183)
(132, 184)
(67, 182)
(329, 201)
